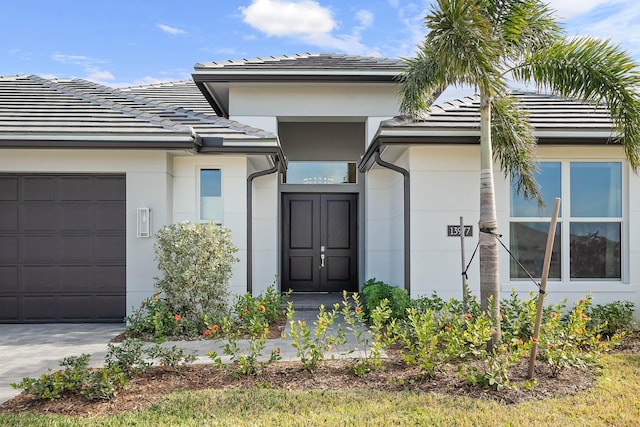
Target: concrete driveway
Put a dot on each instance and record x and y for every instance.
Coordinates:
(29, 350)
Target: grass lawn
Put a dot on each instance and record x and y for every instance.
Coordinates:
(613, 401)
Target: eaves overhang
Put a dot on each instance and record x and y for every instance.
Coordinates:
(93, 141)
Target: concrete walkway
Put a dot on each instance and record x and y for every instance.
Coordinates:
(30, 350)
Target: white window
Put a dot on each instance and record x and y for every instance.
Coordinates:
(211, 207)
(590, 215)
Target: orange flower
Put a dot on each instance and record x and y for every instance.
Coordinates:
(468, 315)
(262, 308)
(215, 328)
(554, 314)
(447, 329)
(206, 333)
(552, 346)
(245, 310)
(519, 342)
(142, 304)
(358, 309)
(583, 316)
(156, 297)
(581, 301)
(177, 317)
(534, 339)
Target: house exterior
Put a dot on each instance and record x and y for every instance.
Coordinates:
(305, 159)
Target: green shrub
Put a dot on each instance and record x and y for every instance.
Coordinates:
(373, 292)
(155, 319)
(75, 378)
(195, 261)
(612, 318)
(128, 357)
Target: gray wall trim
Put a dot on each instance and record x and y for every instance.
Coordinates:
(215, 104)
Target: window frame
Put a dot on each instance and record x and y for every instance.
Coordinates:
(199, 170)
(565, 220)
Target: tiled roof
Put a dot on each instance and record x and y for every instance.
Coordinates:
(31, 104)
(34, 108)
(546, 112)
(308, 61)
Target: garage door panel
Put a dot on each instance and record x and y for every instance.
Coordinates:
(8, 249)
(39, 249)
(110, 279)
(62, 247)
(76, 278)
(9, 309)
(110, 188)
(39, 308)
(8, 188)
(111, 217)
(8, 218)
(8, 278)
(40, 278)
(108, 307)
(109, 248)
(77, 249)
(77, 218)
(40, 217)
(76, 307)
(38, 189)
(76, 188)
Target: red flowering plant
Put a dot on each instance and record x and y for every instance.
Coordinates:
(154, 319)
(268, 307)
(566, 341)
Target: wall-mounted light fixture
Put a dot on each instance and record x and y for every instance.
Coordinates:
(144, 222)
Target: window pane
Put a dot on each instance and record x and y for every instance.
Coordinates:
(595, 250)
(549, 179)
(211, 195)
(321, 173)
(528, 243)
(596, 189)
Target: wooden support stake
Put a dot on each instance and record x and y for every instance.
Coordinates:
(465, 286)
(543, 286)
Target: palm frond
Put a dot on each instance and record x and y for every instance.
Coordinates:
(460, 39)
(524, 25)
(514, 146)
(596, 71)
(420, 83)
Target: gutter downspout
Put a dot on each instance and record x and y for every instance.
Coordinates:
(407, 216)
(250, 178)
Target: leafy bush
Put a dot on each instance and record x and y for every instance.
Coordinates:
(170, 357)
(75, 378)
(154, 318)
(373, 292)
(612, 318)
(128, 357)
(311, 346)
(196, 262)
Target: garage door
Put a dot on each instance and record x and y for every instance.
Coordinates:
(62, 248)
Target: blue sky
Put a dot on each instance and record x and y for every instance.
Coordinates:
(131, 42)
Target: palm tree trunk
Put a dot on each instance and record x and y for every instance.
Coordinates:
(488, 224)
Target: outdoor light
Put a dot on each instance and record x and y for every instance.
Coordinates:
(144, 222)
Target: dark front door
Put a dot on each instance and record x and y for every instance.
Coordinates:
(320, 242)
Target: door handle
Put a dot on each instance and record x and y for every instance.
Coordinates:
(321, 260)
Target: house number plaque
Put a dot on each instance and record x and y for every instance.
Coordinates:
(454, 230)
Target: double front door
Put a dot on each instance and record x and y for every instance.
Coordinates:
(320, 242)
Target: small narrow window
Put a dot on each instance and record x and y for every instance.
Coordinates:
(211, 195)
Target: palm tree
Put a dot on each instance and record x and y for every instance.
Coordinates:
(483, 43)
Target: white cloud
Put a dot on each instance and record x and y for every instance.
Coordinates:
(365, 18)
(94, 68)
(99, 75)
(171, 30)
(568, 9)
(287, 18)
(308, 21)
(394, 3)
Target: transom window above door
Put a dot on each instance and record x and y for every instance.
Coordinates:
(320, 173)
(591, 215)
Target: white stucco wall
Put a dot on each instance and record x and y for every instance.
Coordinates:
(445, 186)
(147, 185)
(265, 232)
(234, 194)
(308, 99)
(384, 216)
